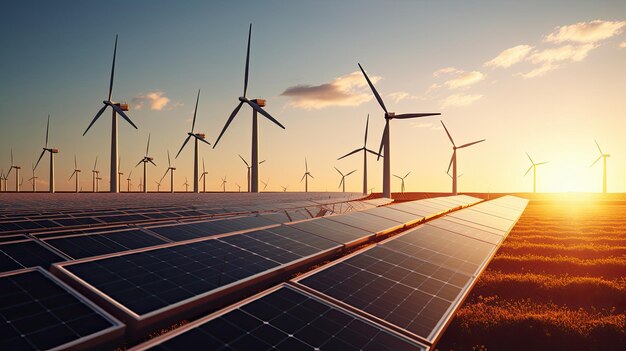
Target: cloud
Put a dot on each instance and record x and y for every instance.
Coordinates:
(459, 78)
(156, 100)
(567, 53)
(586, 32)
(539, 71)
(622, 45)
(348, 90)
(422, 124)
(510, 56)
(403, 95)
(459, 100)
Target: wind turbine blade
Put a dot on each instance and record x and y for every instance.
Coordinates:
(167, 170)
(182, 147)
(350, 172)
(310, 175)
(245, 77)
(374, 153)
(138, 163)
(202, 140)
(598, 145)
(47, 130)
(529, 168)
(119, 111)
(148, 146)
(541, 163)
(300, 179)
(397, 176)
(306, 166)
(380, 100)
(40, 156)
(382, 141)
(447, 132)
(407, 175)
(95, 118)
(340, 182)
(72, 175)
(203, 169)
(95, 163)
(258, 109)
(169, 164)
(594, 162)
(351, 153)
(261, 161)
(244, 161)
(11, 158)
(152, 162)
(450, 164)
(112, 69)
(75, 163)
(367, 123)
(416, 115)
(201, 176)
(470, 144)
(531, 160)
(339, 171)
(230, 119)
(195, 112)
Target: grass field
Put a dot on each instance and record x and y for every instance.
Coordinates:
(557, 283)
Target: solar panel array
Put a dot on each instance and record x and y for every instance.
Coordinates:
(37, 312)
(415, 281)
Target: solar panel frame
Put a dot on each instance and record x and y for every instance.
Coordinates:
(367, 222)
(483, 219)
(37, 254)
(339, 232)
(111, 336)
(246, 308)
(389, 212)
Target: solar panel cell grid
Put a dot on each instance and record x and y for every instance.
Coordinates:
(331, 230)
(390, 213)
(26, 254)
(483, 219)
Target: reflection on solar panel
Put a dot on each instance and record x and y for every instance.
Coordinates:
(414, 281)
(40, 313)
(484, 219)
(390, 212)
(367, 222)
(194, 230)
(283, 319)
(24, 254)
(336, 231)
(104, 243)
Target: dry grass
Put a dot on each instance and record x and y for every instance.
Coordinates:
(557, 283)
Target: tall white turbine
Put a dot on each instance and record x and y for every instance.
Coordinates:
(52, 151)
(119, 174)
(249, 168)
(33, 179)
(171, 170)
(145, 161)
(117, 108)
(77, 174)
(17, 174)
(306, 176)
(203, 177)
(533, 166)
(256, 106)
(386, 138)
(602, 156)
(402, 180)
(365, 151)
(453, 158)
(197, 137)
(343, 177)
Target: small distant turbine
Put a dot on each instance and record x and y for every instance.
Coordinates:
(52, 152)
(265, 184)
(158, 183)
(197, 137)
(33, 179)
(203, 177)
(77, 174)
(224, 184)
(129, 181)
(98, 179)
(140, 187)
(145, 161)
(94, 175)
(284, 188)
(119, 173)
(402, 180)
(186, 184)
(2, 180)
(306, 176)
(371, 190)
(238, 187)
(17, 174)
(257, 107)
(171, 170)
(602, 156)
(533, 167)
(453, 158)
(365, 151)
(249, 168)
(343, 178)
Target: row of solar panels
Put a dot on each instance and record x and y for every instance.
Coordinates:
(43, 249)
(149, 288)
(79, 219)
(397, 295)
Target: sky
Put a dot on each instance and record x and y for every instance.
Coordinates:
(547, 78)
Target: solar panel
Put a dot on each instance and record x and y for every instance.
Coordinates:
(462, 229)
(483, 219)
(284, 319)
(88, 245)
(297, 215)
(400, 289)
(390, 213)
(336, 231)
(367, 222)
(40, 313)
(497, 210)
(24, 254)
(202, 229)
(418, 209)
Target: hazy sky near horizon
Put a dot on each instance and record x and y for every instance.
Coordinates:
(545, 78)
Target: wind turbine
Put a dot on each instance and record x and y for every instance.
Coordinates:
(256, 105)
(365, 151)
(386, 138)
(145, 161)
(402, 179)
(371, 190)
(94, 175)
(249, 168)
(116, 108)
(197, 137)
(76, 173)
(98, 179)
(158, 183)
(238, 187)
(17, 174)
(186, 184)
(33, 180)
(128, 181)
(52, 152)
(2, 180)
(171, 170)
(119, 173)
(140, 187)
(306, 176)
(533, 166)
(343, 178)
(203, 177)
(453, 158)
(602, 156)
(450, 175)
(265, 184)
(284, 188)
(224, 184)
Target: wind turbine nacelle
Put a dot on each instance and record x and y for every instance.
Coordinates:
(149, 158)
(124, 107)
(54, 151)
(201, 135)
(391, 114)
(173, 168)
(260, 102)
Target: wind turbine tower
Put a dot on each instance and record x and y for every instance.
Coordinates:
(306, 176)
(145, 161)
(17, 174)
(386, 141)
(602, 156)
(77, 174)
(52, 152)
(343, 178)
(533, 167)
(455, 178)
(197, 137)
(171, 170)
(402, 180)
